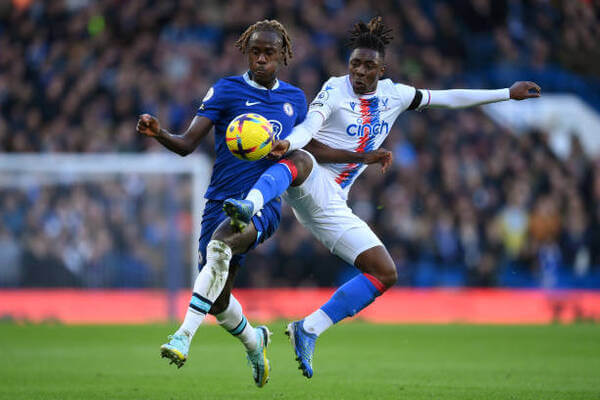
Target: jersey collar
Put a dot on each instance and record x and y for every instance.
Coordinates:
(256, 85)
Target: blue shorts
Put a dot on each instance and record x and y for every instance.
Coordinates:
(266, 222)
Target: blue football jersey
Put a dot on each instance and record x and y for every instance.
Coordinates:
(284, 106)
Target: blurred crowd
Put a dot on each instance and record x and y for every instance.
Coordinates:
(102, 231)
(467, 203)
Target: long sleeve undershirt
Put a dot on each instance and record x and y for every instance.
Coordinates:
(461, 98)
(453, 98)
(303, 132)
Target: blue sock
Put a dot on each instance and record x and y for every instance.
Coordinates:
(275, 180)
(352, 297)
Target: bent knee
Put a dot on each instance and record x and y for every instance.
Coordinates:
(387, 275)
(378, 263)
(390, 278)
(303, 164)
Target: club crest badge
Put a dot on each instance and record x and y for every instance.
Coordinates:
(323, 96)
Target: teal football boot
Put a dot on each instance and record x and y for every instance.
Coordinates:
(304, 346)
(258, 358)
(176, 349)
(240, 212)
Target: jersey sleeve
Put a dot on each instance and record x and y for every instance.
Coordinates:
(213, 103)
(409, 97)
(325, 102)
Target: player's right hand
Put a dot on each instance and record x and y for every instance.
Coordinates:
(148, 125)
(380, 156)
(278, 150)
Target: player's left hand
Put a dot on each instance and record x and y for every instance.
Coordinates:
(380, 156)
(522, 90)
(278, 150)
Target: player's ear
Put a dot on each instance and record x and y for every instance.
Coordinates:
(381, 62)
(282, 56)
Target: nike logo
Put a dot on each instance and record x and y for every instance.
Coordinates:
(248, 103)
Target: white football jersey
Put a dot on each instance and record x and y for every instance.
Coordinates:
(357, 123)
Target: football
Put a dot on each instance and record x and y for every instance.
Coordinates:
(249, 137)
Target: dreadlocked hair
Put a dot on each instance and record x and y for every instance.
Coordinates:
(267, 26)
(374, 35)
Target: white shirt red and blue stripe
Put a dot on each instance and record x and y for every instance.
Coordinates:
(357, 123)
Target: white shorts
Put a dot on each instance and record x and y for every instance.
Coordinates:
(319, 205)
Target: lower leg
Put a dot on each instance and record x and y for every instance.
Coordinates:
(291, 171)
(233, 320)
(207, 287)
(348, 300)
(379, 273)
(272, 183)
(228, 312)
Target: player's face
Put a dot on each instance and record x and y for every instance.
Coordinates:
(264, 56)
(365, 68)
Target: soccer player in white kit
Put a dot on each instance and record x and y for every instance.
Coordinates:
(354, 113)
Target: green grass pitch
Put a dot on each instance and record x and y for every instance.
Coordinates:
(352, 361)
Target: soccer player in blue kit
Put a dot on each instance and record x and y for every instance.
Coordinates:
(222, 246)
(268, 46)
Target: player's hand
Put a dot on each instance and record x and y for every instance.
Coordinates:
(148, 125)
(278, 150)
(524, 90)
(380, 156)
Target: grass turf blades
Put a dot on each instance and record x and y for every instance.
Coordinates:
(352, 361)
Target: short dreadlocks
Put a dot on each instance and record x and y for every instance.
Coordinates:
(267, 26)
(374, 35)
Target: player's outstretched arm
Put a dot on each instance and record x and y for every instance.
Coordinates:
(325, 154)
(181, 144)
(461, 98)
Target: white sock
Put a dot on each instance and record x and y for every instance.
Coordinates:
(234, 321)
(207, 287)
(317, 322)
(256, 197)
